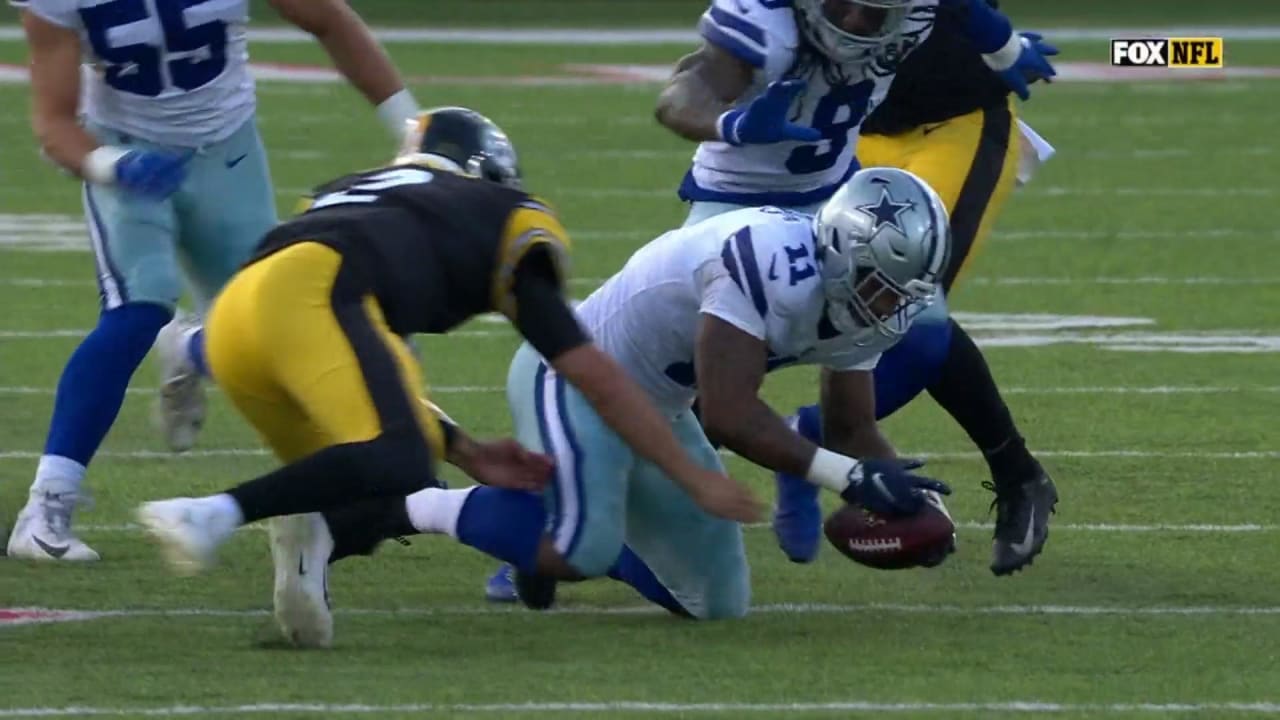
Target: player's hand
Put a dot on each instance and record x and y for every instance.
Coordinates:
(723, 496)
(508, 464)
(1032, 65)
(152, 174)
(886, 487)
(764, 120)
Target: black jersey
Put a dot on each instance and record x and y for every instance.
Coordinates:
(943, 78)
(435, 248)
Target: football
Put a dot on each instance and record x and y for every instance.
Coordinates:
(892, 543)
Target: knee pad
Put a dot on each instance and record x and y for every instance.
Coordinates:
(914, 363)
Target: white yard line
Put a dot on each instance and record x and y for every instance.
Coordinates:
(942, 709)
(765, 609)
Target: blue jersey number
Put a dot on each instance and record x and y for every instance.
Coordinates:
(136, 68)
(837, 113)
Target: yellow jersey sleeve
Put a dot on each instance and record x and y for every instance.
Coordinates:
(532, 223)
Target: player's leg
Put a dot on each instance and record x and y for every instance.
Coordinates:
(225, 208)
(139, 282)
(963, 384)
(677, 555)
(336, 358)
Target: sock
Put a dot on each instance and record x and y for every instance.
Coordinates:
(966, 390)
(329, 479)
(228, 508)
(56, 475)
(195, 351)
(436, 510)
(506, 524)
(630, 569)
(91, 389)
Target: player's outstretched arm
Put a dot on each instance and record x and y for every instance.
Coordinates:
(849, 427)
(730, 365)
(498, 463)
(55, 93)
(705, 85)
(357, 54)
(730, 368)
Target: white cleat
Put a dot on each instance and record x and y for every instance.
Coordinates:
(300, 550)
(189, 530)
(43, 531)
(180, 408)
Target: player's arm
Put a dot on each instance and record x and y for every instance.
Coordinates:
(357, 55)
(55, 94)
(730, 364)
(703, 88)
(545, 319)
(849, 427)
(499, 463)
(1019, 59)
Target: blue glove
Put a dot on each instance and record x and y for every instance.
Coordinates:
(152, 174)
(1030, 66)
(885, 487)
(764, 120)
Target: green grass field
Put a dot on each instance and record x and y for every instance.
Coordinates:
(1130, 301)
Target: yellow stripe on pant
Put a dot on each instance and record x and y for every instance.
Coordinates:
(970, 160)
(309, 360)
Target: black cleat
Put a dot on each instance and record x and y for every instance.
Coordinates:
(1023, 506)
(537, 592)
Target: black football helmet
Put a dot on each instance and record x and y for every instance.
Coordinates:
(463, 141)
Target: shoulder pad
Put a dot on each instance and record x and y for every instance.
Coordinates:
(761, 33)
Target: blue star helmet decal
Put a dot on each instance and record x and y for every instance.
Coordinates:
(886, 212)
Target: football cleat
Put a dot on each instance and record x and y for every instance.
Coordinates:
(1023, 507)
(189, 530)
(300, 549)
(43, 530)
(797, 519)
(501, 587)
(179, 410)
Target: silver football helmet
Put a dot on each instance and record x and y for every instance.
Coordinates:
(875, 23)
(883, 241)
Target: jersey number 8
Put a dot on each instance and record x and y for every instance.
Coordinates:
(837, 113)
(137, 68)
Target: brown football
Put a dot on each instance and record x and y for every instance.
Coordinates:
(892, 543)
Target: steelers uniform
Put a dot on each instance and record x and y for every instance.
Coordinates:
(306, 339)
(949, 119)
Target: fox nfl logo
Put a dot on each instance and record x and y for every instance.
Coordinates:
(1203, 52)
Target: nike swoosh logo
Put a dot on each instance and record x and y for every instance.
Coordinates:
(1028, 543)
(236, 161)
(53, 550)
(926, 129)
(773, 268)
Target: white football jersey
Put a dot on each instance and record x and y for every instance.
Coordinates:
(753, 268)
(764, 34)
(174, 72)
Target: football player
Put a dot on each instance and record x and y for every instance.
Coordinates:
(775, 97)
(305, 340)
(174, 173)
(707, 310)
(950, 120)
